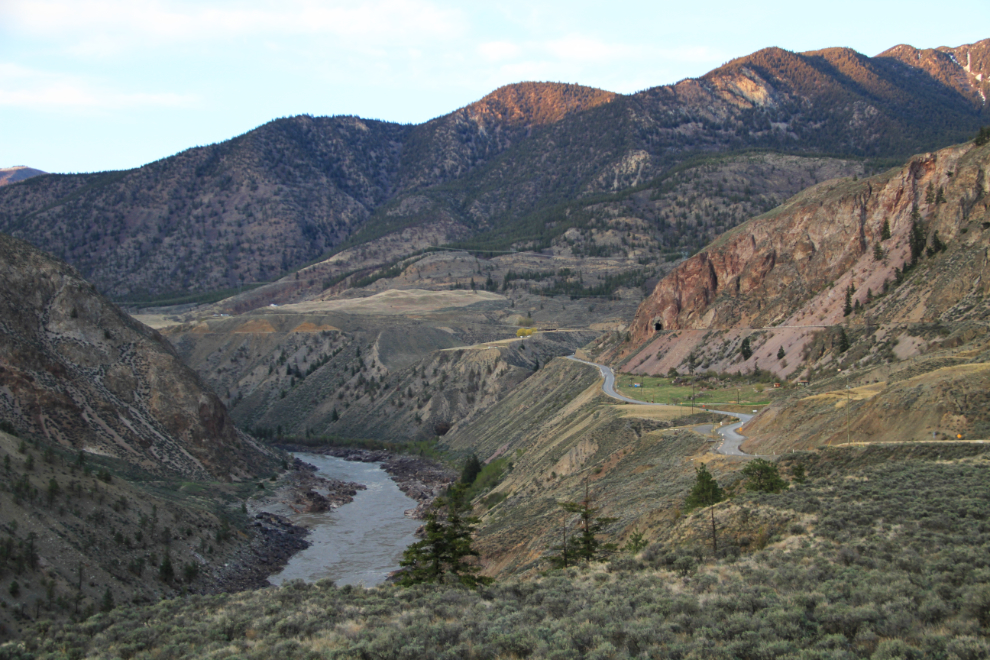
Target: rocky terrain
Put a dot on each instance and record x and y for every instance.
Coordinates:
(494, 175)
(396, 366)
(869, 293)
(123, 475)
(785, 275)
(863, 297)
(79, 373)
(79, 531)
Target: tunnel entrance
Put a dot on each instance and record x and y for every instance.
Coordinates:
(657, 326)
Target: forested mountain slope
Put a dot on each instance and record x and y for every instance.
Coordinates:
(492, 173)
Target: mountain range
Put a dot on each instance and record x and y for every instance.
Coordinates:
(502, 173)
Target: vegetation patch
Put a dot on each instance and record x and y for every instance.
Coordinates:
(894, 566)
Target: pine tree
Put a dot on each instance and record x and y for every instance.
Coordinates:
(917, 238)
(885, 230)
(565, 552)
(763, 476)
(472, 468)
(584, 546)
(745, 349)
(781, 353)
(706, 492)
(636, 543)
(843, 342)
(848, 308)
(165, 570)
(107, 603)
(439, 557)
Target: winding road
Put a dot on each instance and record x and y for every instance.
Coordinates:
(731, 439)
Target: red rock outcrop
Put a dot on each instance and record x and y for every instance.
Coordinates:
(789, 270)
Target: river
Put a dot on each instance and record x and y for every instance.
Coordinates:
(361, 542)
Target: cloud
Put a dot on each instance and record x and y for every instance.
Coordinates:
(103, 27)
(21, 87)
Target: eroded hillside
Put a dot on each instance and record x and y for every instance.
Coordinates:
(396, 366)
(851, 277)
(78, 372)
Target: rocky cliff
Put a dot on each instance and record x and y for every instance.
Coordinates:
(823, 260)
(76, 371)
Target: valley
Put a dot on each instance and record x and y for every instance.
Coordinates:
(787, 260)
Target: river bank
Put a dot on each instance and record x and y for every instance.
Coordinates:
(421, 479)
(275, 535)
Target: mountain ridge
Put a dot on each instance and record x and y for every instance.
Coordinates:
(258, 206)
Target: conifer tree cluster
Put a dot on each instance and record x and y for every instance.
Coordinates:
(440, 557)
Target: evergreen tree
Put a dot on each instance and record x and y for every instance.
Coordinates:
(763, 476)
(565, 552)
(745, 349)
(937, 245)
(165, 570)
(877, 252)
(472, 468)
(982, 137)
(584, 546)
(885, 230)
(781, 353)
(636, 543)
(440, 556)
(107, 603)
(848, 308)
(799, 474)
(917, 238)
(706, 492)
(843, 342)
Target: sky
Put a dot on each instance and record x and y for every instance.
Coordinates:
(95, 85)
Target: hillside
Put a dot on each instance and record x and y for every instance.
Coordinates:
(115, 457)
(489, 176)
(878, 555)
(815, 287)
(398, 366)
(81, 374)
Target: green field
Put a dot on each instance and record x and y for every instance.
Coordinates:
(657, 389)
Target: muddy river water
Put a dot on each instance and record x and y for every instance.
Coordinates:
(361, 542)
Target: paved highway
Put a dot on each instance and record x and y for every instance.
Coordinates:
(731, 439)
